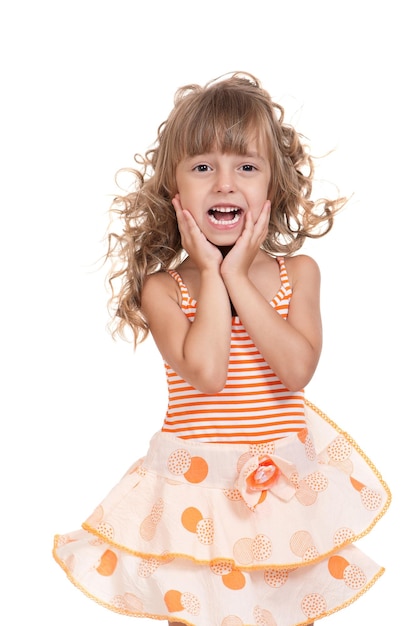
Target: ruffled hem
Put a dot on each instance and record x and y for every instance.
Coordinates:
(192, 522)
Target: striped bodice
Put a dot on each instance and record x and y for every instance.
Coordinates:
(254, 405)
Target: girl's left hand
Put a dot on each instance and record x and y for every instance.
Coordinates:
(204, 254)
(242, 254)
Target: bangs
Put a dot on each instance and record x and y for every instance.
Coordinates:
(225, 121)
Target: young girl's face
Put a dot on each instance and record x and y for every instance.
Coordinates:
(218, 189)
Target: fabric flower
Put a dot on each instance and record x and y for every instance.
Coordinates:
(263, 477)
(265, 473)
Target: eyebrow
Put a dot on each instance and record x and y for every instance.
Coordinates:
(252, 154)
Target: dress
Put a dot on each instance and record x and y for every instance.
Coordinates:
(238, 533)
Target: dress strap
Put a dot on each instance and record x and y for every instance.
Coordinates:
(186, 298)
(177, 277)
(283, 272)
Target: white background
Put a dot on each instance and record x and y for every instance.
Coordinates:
(84, 86)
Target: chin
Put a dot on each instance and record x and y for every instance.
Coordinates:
(223, 241)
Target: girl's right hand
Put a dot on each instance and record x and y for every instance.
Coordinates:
(203, 253)
(238, 261)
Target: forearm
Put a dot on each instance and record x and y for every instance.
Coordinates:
(288, 352)
(207, 343)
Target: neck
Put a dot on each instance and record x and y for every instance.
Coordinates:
(224, 251)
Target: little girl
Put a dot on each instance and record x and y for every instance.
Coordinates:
(245, 509)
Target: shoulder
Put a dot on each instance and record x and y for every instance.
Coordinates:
(301, 268)
(159, 285)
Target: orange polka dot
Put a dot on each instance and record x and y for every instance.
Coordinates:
(133, 603)
(257, 449)
(371, 499)
(191, 603)
(220, 568)
(302, 435)
(232, 620)
(356, 484)
(173, 600)
(310, 554)
(234, 580)
(263, 496)
(108, 563)
(339, 449)
(232, 494)
(262, 547)
(342, 535)
(198, 470)
(313, 605)
(243, 460)
(317, 481)
(300, 542)
(354, 577)
(179, 462)
(345, 465)
(305, 495)
(337, 565)
(309, 449)
(106, 530)
(190, 519)
(243, 551)
(147, 567)
(263, 617)
(205, 531)
(276, 577)
(157, 511)
(147, 529)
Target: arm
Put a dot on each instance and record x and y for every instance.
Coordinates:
(197, 351)
(291, 347)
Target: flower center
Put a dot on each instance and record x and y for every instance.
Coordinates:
(264, 473)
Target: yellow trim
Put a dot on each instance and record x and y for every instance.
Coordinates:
(106, 605)
(307, 622)
(253, 568)
(168, 617)
(355, 445)
(348, 602)
(321, 557)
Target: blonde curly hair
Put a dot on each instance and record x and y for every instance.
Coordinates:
(225, 113)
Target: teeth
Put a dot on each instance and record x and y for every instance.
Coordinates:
(215, 221)
(213, 214)
(225, 209)
(234, 220)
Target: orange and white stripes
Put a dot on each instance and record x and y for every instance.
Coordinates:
(253, 407)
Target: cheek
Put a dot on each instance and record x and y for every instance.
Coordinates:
(262, 194)
(178, 179)
(190, 195)
(182, 184)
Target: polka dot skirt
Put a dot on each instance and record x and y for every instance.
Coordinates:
(233, 535)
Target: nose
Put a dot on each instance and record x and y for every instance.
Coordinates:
(224, 181)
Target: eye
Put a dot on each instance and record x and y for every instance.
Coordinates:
(248, 168)
(201, 167)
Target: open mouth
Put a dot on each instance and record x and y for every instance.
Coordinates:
(225, 215)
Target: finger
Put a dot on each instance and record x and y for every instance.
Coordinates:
(176, 201)
(264, 215)
(248, 223)
(183, 220)
(262, 224)
(178, 210)
(183, 215)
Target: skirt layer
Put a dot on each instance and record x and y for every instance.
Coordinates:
(233, 535)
